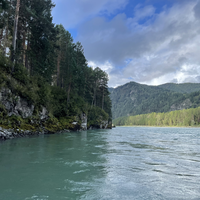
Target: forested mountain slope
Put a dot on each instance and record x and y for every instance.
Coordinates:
(181, 88)
(133, 99)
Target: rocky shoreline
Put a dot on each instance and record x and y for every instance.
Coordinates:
(6, 134)
(19, 120)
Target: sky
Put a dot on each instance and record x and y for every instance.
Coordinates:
(147, 41)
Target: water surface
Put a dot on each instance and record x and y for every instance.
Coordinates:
(123, 163)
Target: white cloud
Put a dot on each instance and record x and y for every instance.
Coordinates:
(107, 66)
(71, 13)
(165, 48)
(149, 47)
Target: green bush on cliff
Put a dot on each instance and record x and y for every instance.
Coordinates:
(96, 115)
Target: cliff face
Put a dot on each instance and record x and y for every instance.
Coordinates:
(181, 105)
(18, 106)
(19, 117)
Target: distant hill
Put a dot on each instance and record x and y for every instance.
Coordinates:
(181, 88)
(134, 99)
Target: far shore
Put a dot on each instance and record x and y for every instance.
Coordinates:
(159, 126)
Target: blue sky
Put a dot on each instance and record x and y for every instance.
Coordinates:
(146, 41)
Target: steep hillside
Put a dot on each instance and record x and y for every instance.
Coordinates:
(134, 99)
(30, 103)
(181, 88)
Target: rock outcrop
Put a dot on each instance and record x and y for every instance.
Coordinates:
(15, 105)
(183, 105)
(43, 114)
(84, 121)
(104, 124)
(11, 133)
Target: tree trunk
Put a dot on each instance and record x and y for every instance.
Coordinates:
(6, 40)
(1, 37)
(27, 65)
(6, 43)
(24, 48)
(15, 29)
(58, 68)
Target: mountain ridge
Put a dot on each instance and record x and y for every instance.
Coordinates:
(133, 98)
(181, 87)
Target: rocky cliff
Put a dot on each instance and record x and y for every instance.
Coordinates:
(19, 118)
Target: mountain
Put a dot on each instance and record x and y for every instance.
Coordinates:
(181, 88)
(111, 89)
(134, 99)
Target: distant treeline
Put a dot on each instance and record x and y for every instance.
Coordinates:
(189, 117)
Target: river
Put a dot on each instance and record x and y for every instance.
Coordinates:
(132, 163)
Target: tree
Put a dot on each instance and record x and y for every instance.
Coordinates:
(15, 29)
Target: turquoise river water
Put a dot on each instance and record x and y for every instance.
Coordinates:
(133, 163)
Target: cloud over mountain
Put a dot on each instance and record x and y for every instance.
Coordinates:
(150, 45)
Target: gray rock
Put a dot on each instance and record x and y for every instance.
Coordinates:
(84, 121)
(104, 124)
(184, 105)
(43, 114)
(23, 108)
(15, 105)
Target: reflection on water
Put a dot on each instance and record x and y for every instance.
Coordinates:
(123, 163)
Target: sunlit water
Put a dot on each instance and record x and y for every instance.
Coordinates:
(123, 163)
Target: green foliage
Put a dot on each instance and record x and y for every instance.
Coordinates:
(3, 111)
(21, 74)
(66, 122)
(10, 122)
(189, 117)
(5, 64)
(181, 88)
(38, 92)
(58, 102)
(96, 115)
(54, 124)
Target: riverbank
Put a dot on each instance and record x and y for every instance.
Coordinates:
(198, 126)
(6, 134)
(31, 105)
(51, 126)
